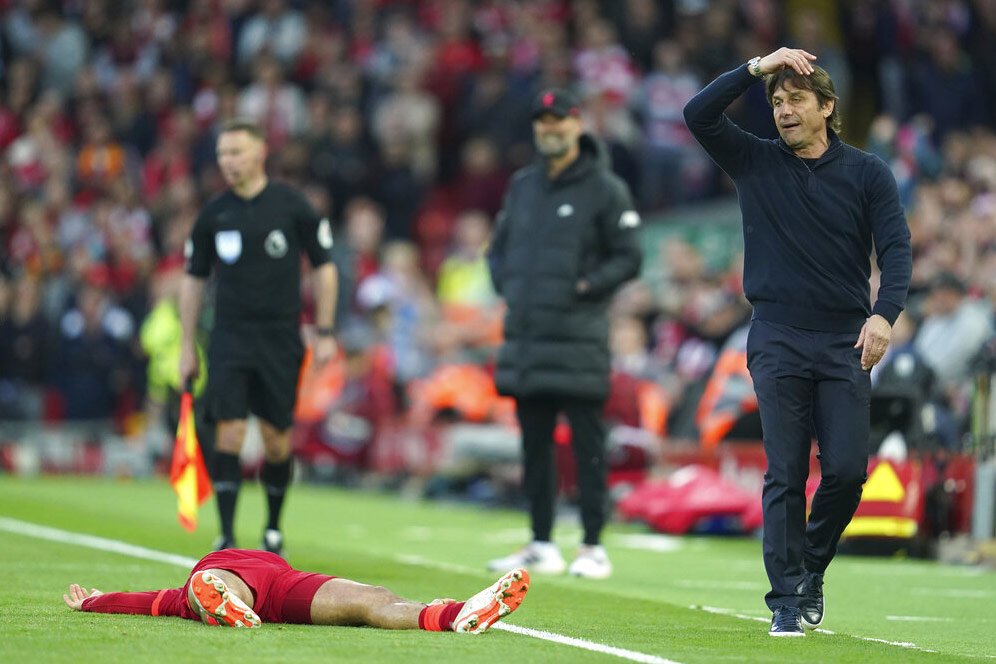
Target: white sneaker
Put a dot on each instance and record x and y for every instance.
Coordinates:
(591, 562)
(537, 557)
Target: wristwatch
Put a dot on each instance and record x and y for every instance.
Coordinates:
(326, 331)
(754, 66)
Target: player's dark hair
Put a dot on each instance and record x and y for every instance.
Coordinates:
(251, 127)
(819, 83)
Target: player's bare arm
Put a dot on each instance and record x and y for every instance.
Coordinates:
(191, 297)
(326, 293)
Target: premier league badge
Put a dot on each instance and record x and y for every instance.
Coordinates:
(276, 244)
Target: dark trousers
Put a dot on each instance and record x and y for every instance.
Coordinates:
(807, 383)
(538, 417)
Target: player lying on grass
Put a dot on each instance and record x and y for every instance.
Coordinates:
(241, 588)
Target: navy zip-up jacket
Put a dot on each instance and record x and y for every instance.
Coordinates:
(808, 229)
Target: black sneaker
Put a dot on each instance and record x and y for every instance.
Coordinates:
(786, 621)
(811, 600)
(273, 541)
(223, 542)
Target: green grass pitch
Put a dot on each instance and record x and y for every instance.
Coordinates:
(687, 600)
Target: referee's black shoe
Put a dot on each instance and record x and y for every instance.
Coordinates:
(273, 541)
(811, 600)
(786, 621)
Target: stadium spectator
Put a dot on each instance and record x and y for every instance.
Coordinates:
(276, 30)
(668, 146)
(252, 237)
(945, 85)
(408, 115)
(25, 349)
(92, 364)
(464, 278)
(41, 31)
(402, 291)
(273, 102)
(564, 242)
(238, 588)
(950, 314)
(812, 208)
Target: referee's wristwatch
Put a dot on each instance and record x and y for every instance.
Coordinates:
(754, 66)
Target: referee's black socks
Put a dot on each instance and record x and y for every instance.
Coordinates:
(227, 478)
(275, 477)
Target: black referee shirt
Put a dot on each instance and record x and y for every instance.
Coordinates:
(254, 245)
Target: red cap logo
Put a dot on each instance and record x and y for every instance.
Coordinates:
(548, 99)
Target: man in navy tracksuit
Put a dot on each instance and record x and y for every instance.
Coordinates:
(813, 209)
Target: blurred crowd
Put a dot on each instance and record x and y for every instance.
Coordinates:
(402, 121)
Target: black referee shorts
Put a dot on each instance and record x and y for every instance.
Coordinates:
(254, 368)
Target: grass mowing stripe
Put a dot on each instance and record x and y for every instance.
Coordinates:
(726, 612)
(116, 546)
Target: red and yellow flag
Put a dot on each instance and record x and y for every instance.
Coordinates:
(188, 475)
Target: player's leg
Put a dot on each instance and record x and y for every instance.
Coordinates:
(842, 420)
(842, 414)
(272, 396)
(220, 597)
(275, 476)
(344, 602)
(537, 418)
(226, 476)
(781, 369)
(227, 404)
(588, 440)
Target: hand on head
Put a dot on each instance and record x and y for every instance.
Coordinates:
(796, 58)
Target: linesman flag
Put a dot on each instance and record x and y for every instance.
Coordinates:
(188, 475)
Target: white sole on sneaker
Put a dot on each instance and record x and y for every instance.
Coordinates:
(808, 625)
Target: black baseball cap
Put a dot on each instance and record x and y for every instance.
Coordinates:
(557, 101)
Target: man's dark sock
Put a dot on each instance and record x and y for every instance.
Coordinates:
(275, 477)
(227, 479)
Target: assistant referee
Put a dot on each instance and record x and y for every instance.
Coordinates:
(252, 237)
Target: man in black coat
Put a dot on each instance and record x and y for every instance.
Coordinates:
(564, 241)
(814, 209)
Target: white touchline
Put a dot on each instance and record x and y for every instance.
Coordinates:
(93, 542)
(631, 655)
(134, 551)
(582, 643)
(918, 619)
(741, 616)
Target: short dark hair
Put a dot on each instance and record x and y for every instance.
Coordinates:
(251, 127)
(819, 83)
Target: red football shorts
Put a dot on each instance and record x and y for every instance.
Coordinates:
(281, 593)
